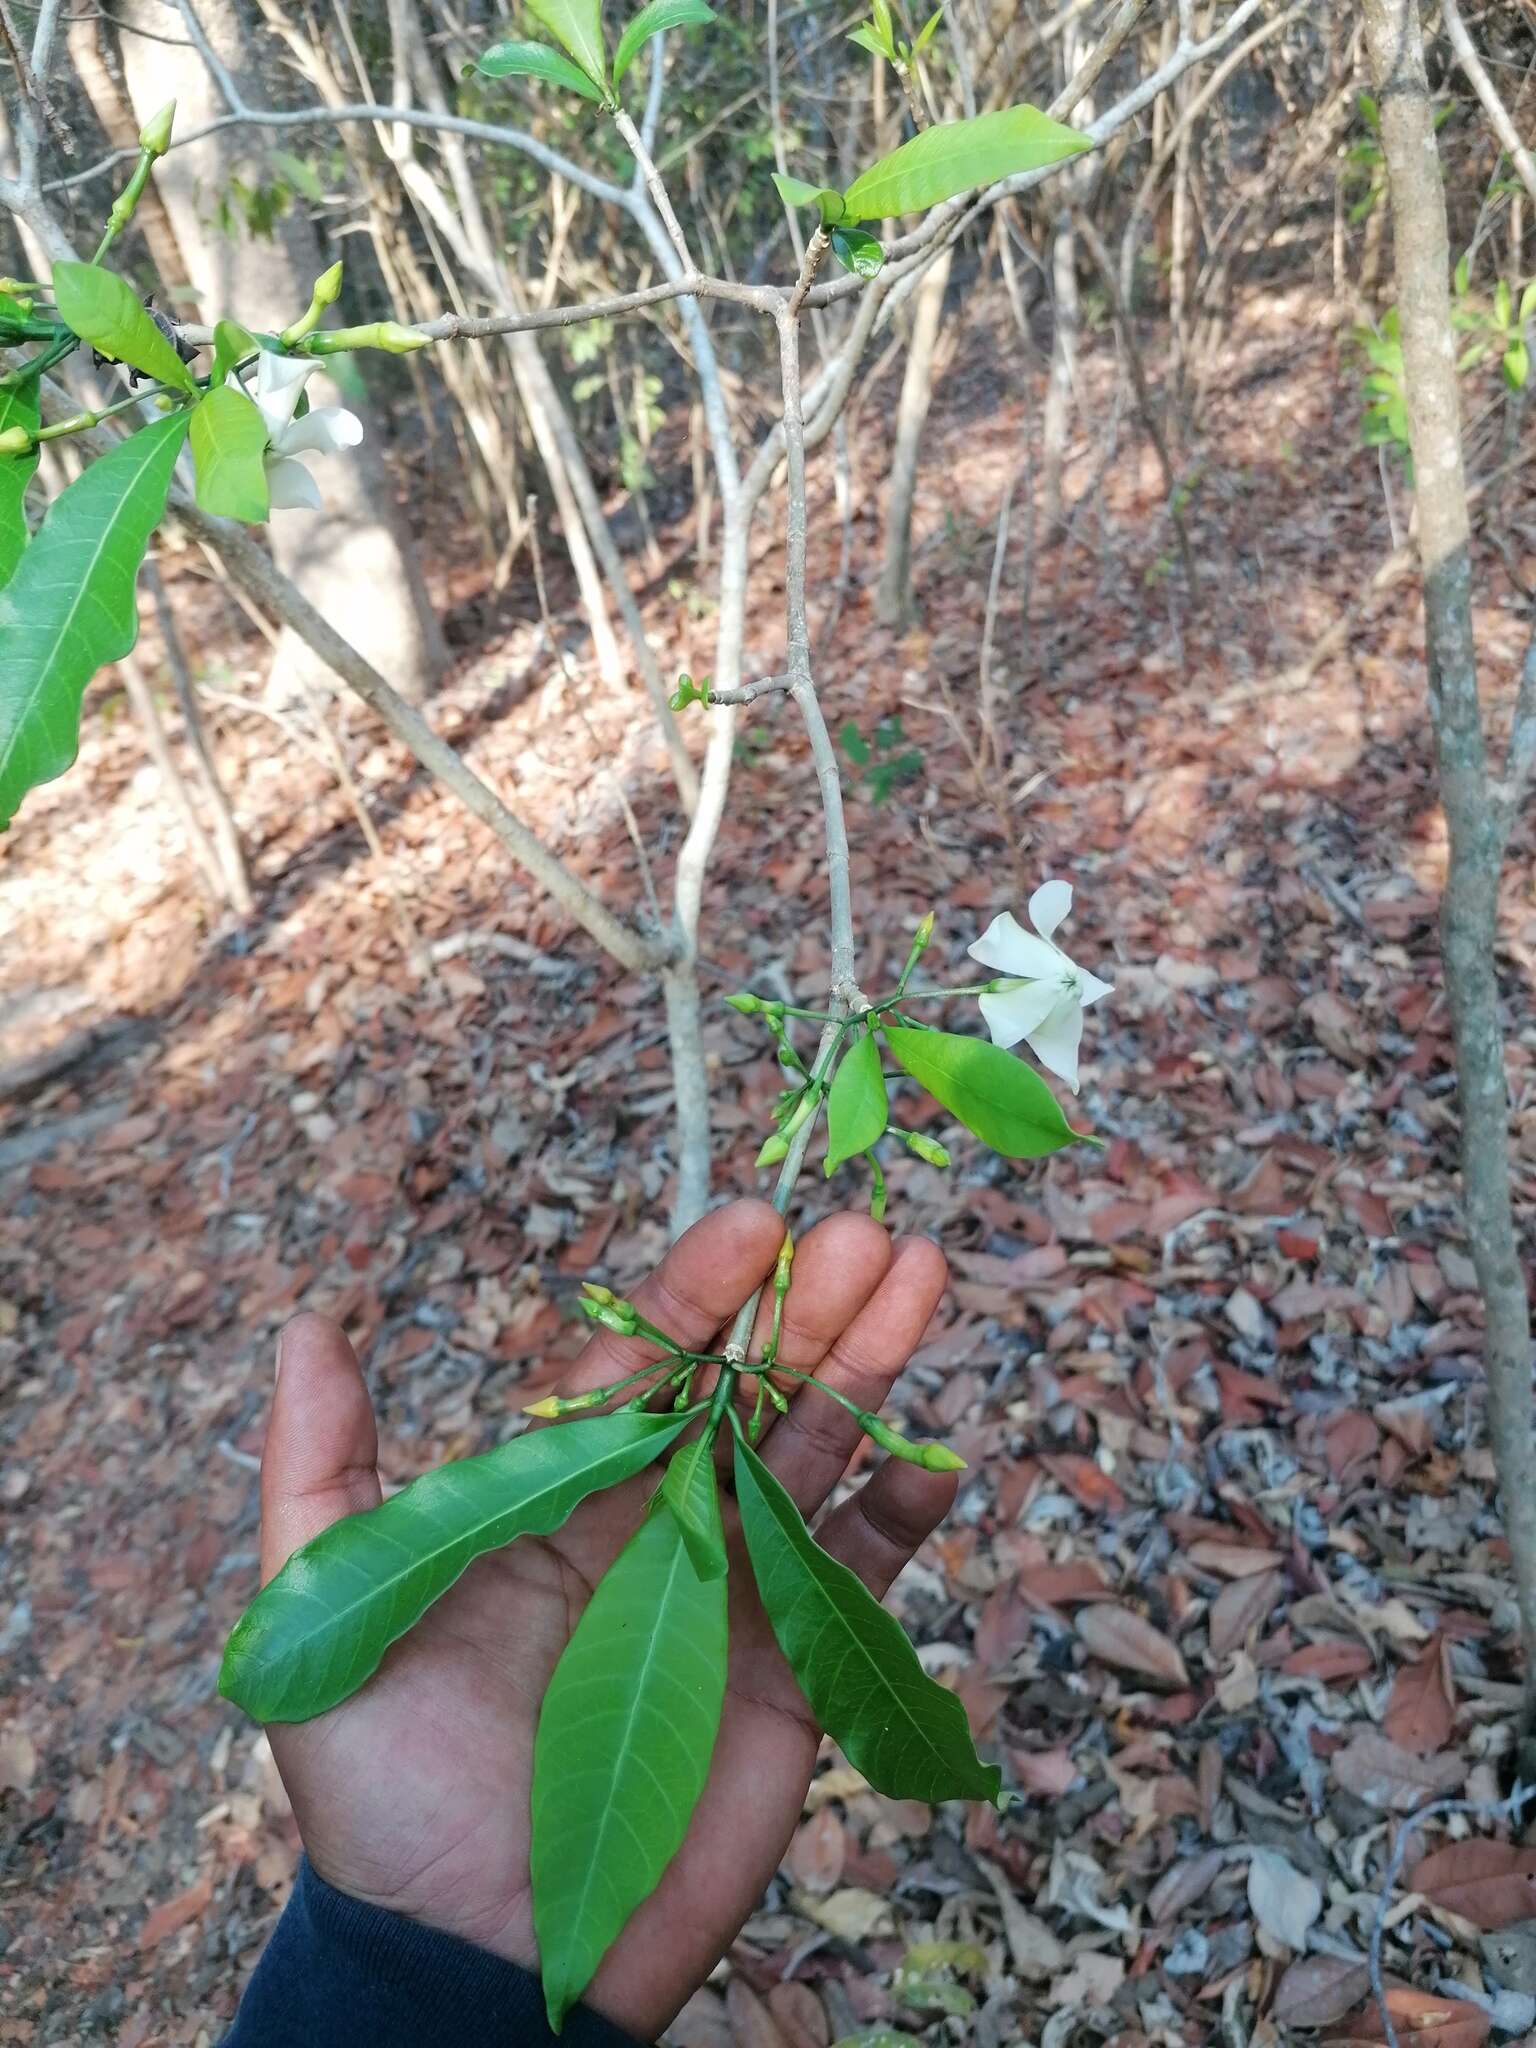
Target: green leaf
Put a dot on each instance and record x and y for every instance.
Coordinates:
(1501, 302)
(958, 156)
(856, 1107)
(908, 1736)
(1370, 113)
(1528, 302)
(299, 174)
(577, 25)
(994, 1094)
(622, 1751)
(1461, 277)
(692, 1493)
(18, 408)
(536, 60)
(229, 439)
(796, 192)
(926, 33)
(322, 1626)
(101, 308)
(231, 345)
(1516, 365)
(854, 744)
(654, 20)
(69, 606)
(867, 39)
(857, 250)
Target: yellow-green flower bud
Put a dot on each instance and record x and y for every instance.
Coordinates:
(597, 1292)
(327, 287)
(926, 1148)
(15, 441)
(923, 933)
(933, 1457)
(744, 1004)
(774, 1149)
(155, 136)
(613, 1315)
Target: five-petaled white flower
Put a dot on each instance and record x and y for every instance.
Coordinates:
(1045, 1002)
(322, 431)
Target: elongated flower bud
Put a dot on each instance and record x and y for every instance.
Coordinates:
(926, 1148)
(774, 1149)
(933, 1457)
(744, 1003)
(594, 1292)
(568, 1404)
(16, 441)
(613, 1315)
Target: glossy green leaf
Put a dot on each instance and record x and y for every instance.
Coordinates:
(992, 1092)
(577, 25)
(655, 20)
(321, 1627)
(796, 192)
(101, 308)
(853, 1661)
(692, 1493)
(622, 1751)
(229, 440)
(957, 157)
(857, 250)
(537, 60)
(18, 408)
(1516, 365)
(231, 345)
(856, 1107)
(69, 607)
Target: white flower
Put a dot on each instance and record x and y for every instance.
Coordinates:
(1045, 1004)
(322, 430)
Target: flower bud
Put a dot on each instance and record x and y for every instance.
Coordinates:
(388, 335)
(15, 441)
(774, 1149)
(597, 1293)
(568, 1404)
(926, 1148)
(743, 1004)
(613, 1315)
(327, 287)
(940, 1458)
(932, 1457)
(923, 933)
(155, 136)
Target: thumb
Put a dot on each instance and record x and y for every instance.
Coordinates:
(320, 1459)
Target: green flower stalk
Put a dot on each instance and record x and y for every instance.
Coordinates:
(325, 291)
(154, 141)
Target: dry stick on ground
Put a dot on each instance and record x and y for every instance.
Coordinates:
(1478, 810)
(142, 697)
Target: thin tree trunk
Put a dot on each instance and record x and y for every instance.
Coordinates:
(225, 832)
(172, 781)
(1477, 809)
(893, 599)
(1058, 391)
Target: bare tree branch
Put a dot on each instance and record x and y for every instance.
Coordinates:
(1477, 77)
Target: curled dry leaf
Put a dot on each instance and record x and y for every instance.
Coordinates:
(816, 1853)
(1492, 1884)
(1184, 1885)
(1118, 1635)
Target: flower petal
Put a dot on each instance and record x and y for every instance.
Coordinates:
(279, 380)
(1049, 905)
(290, 487)
(1007, 946)
(1013, 1013)
(1090, 988)
(1055, 1041)
(323, 430)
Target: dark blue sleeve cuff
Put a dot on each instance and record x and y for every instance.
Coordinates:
(339, 1974)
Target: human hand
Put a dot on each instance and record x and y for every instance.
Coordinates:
(414, 1793)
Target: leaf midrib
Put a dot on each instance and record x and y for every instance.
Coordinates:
(293, 1644)
(30, 702)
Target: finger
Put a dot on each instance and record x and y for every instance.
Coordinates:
(815, 1440)
(712, 1269)
(876, 1531)
(320, 1459)
(838, 1267)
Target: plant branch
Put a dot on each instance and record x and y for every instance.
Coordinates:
(1477, 77)
(254, 571)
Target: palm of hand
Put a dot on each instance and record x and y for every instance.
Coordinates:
(414, 1794)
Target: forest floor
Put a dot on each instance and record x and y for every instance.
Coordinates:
(1224, 1588)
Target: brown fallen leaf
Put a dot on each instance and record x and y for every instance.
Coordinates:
(752, 2024)
(1389, 1778)
(1427, 2020)
(1317, 1990)
(1118, 1635)
(1233, 1560)
(817, 1851)
(1492, 1884)
(1240, 1608)
(1421, 1708)
(800, 2015)
(18, 1761)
